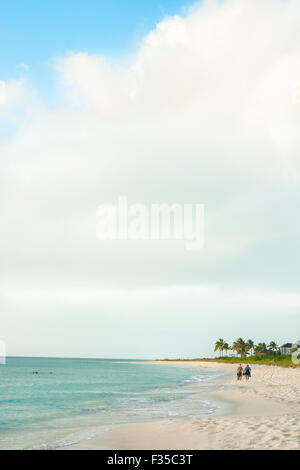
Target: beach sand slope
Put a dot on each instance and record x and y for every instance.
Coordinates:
(266, 415)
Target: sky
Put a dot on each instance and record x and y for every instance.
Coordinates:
(37, 33)
(168, 103)
(34, 31)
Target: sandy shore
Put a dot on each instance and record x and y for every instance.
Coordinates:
(265, 415)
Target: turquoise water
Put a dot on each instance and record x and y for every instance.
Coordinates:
(84, 397)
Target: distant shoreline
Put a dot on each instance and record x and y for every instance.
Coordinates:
(280, 361)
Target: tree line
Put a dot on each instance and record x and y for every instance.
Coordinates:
(243, 348)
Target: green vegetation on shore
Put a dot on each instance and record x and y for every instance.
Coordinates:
(247, 351)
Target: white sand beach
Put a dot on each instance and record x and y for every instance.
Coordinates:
(265, 415)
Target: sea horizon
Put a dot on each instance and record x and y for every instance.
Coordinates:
(82, 357)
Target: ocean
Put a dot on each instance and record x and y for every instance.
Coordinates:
(70, 400)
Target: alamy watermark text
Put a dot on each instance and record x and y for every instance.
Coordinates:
(123, 221)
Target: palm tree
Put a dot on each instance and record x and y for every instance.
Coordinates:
(260, 348)
(240, 346)
(273, 347)
(235, 347)
(226, 348)
(250, 345)
(219, 346)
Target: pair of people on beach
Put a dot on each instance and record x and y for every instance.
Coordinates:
(246, 372)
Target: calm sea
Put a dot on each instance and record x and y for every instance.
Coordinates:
(83, 397)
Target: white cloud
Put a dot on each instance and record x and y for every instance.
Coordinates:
(19, 103)
(158, 322)
(23, 66)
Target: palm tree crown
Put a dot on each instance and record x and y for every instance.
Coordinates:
(273, 346)
(219, 346)
(240, 346)
(261, 348)
(250, 345)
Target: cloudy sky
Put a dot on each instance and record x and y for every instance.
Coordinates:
(172, 103)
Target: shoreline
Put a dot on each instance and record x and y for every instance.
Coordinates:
(236, 361)
(264, 414)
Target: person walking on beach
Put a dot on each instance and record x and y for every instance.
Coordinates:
(247, 372)
(239, 372)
